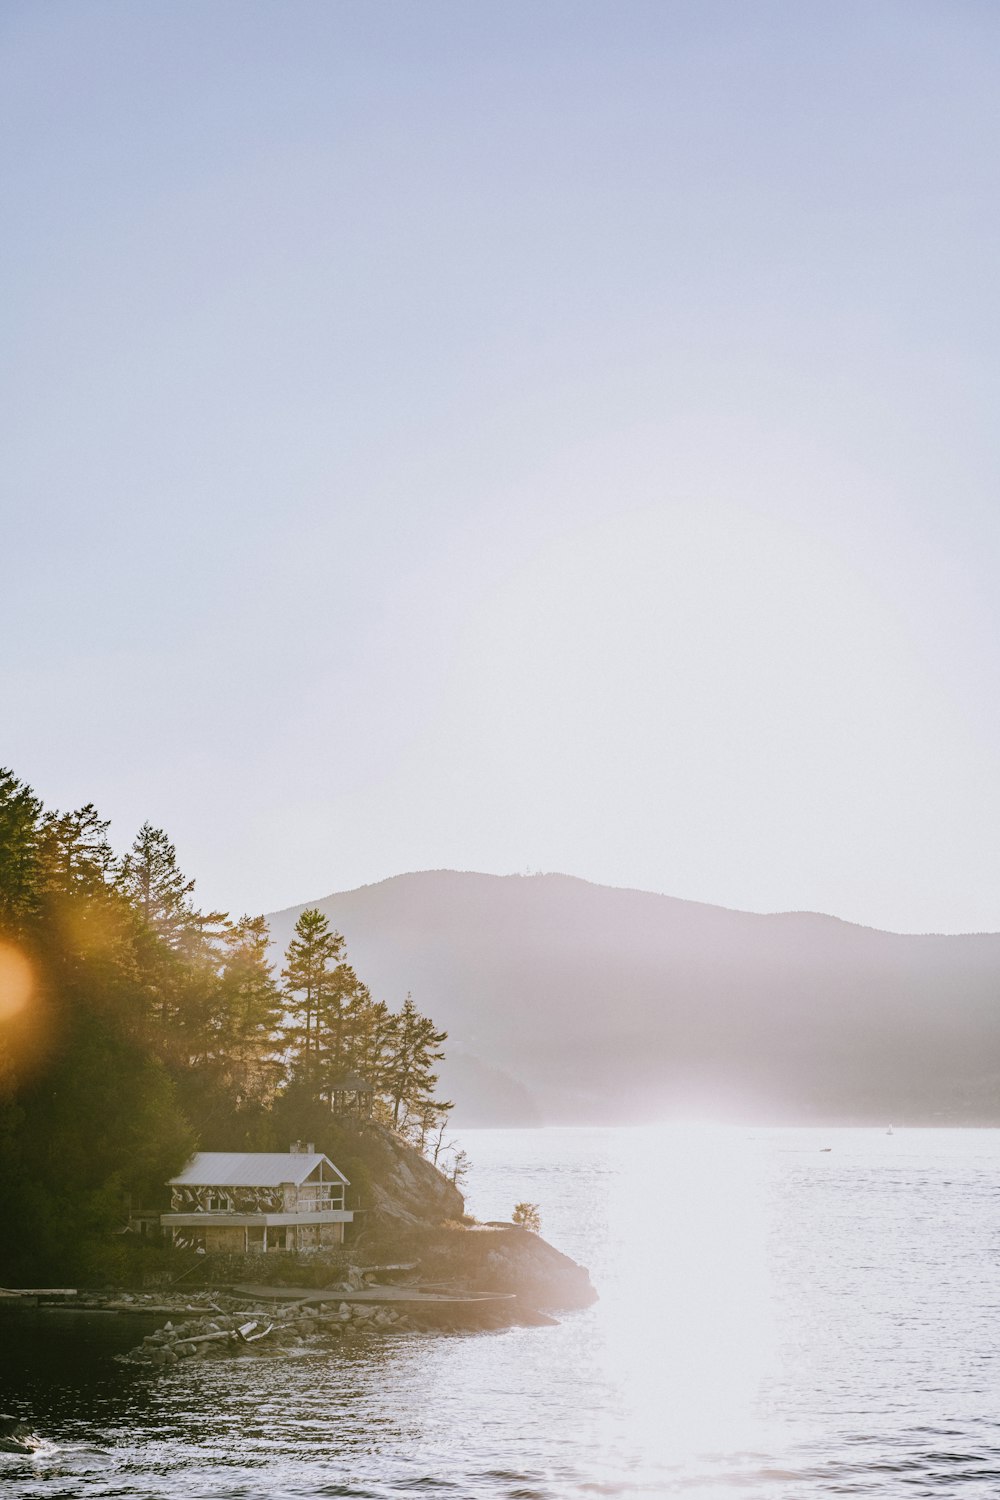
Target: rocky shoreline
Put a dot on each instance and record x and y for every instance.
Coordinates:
(468, 1278)
(256, 1331)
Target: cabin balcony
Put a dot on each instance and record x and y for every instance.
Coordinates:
(320, 1201)
(218, 1219)
(219, 1232)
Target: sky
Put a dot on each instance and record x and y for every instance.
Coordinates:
(510, 437)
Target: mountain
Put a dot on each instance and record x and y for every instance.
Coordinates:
(576, 1003)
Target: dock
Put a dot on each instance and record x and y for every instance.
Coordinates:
(36, 1296)
(385, 1296)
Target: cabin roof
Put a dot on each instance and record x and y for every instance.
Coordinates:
(350, 1083)
(251, 1168)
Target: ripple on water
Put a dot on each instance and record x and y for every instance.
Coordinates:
(776, 1322)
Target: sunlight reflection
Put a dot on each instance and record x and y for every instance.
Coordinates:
(16, 981)
(689, 1338)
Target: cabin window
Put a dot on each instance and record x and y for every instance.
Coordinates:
(218, 1203)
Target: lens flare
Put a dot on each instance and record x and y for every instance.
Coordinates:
(16, 982)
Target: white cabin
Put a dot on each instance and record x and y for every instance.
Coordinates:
(256, 1201)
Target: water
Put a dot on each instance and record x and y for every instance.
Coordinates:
(776, 1320)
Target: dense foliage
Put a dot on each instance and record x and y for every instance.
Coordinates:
(135, 1028)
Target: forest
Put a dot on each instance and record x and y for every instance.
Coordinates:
(136, 1028)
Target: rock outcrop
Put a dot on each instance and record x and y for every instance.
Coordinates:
(482, 1258)
(397, 1185)
(415, 1214)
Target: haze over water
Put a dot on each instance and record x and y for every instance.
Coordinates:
(776, 1319)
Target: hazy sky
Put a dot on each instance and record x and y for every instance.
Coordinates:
(509, 436)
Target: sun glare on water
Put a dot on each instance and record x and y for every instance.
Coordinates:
(688, 1335)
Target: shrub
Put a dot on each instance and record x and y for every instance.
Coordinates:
(527, 1216)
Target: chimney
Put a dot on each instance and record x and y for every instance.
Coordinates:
(296, 1148)
(311, 1148)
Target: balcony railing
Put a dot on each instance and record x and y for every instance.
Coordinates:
(310, 1203)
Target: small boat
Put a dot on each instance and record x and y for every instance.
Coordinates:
(890, 1131)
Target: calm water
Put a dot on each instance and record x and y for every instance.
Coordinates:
(775, 1320)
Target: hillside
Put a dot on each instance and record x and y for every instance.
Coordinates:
(575, 1003)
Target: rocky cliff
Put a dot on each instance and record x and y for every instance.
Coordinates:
(392, 1183)
(410, 1213)
(484, 1258)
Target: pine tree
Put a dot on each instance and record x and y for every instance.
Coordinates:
(153, 1026)
(180, 952)
(88, 1110)
(156, 887)
(412, 1052)
(346, 1024)
(75, 853)
(87, 917)
(250, 1006)
(229, 1065)
(373, 1039)
(310, 987)
(20, 867)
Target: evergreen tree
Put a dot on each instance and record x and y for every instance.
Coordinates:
(346, 1025)
(250, 1011)
(253, 1005)
(161, 893)
(152, 881)
(310, 979)
(412, 1052)
(20, 866)
(87, 1110)
(75, 853)
(153, 1027)
(179, 949)
(373, 1040)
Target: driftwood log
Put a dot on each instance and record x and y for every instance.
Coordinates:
(251, 1332)
(229, 1336)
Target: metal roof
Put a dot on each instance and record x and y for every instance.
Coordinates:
(251, 1168)
(350, 1083)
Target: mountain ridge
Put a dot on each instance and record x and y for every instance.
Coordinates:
(632, 890)
(571, 1002)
